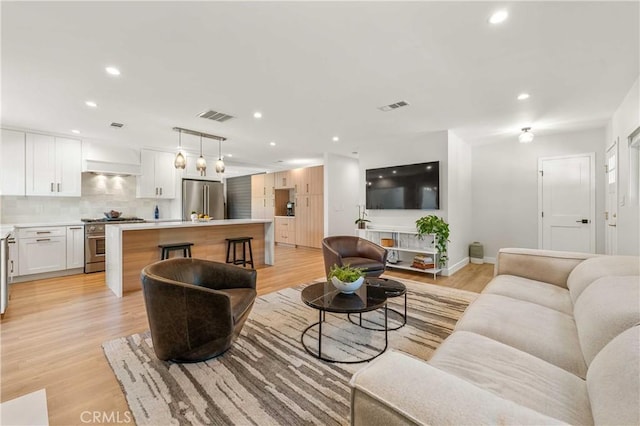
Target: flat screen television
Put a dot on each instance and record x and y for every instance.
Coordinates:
(412, 187)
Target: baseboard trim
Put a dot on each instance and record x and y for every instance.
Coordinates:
(45, 275)
(491, 260)
(450, 270)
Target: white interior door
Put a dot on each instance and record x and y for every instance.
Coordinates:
(611, 214)
(566, 194)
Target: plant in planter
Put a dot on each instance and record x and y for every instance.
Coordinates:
(345, 278)
(361, 221)
(433, 224)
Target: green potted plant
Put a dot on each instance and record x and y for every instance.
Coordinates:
(433, 224)
(361, 221)
(346, 278)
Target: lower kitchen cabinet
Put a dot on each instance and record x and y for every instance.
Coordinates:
(75, 247)
(285, 230)
(309, 220)
(42, 254)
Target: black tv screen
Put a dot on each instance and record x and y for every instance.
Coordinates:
(413, 186)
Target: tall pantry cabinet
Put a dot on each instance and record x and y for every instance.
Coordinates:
(308, 184)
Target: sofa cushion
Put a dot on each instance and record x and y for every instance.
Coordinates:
(549, 295)
(612, 381)
(605, 309)
(542, 332)
(363, 263)
(241, 300)
(597, 267)
(515, 375)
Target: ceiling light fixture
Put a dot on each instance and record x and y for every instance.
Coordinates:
(272, 143)
(201, 163)
(180, 162)
(526, 136)
(523, 96)
(498, 17)
(336, 139)
(77, 132)
(257, 114)
(112, 70)
(91, 104)
(219, 163)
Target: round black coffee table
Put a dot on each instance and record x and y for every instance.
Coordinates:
(326, 298)
(392, 289)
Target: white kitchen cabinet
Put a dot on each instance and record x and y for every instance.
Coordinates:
(75, 247)
(42, 249)
(158, 178)
(53, 166)
(12, 163)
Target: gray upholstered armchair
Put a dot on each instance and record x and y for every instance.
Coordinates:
(356, 251)
(196, 308)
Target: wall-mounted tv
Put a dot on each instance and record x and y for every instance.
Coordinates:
(412, 186)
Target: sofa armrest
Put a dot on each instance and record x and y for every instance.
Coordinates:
(221, 276)
(399, 389)
(549, 266)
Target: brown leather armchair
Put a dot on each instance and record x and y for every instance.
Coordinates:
(356, 251)
(196, 308)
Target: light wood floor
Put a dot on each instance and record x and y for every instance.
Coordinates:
(52, 332)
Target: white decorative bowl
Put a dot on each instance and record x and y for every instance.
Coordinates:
(347, 288)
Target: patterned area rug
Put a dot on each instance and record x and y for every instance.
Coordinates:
(267, 378)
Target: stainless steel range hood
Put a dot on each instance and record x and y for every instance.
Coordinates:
(109, 159)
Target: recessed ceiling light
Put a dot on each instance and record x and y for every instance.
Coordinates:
(77, 132)
(112, 70)
(91, 104)
(394, 172)
(229, 155)
(257, 114)
(498, 17)
(523, 96)
(380, 177)
(272, 143)
(336, 139)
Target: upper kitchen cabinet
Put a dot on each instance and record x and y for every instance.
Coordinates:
(308, 180)
(53, 166)
(283, 180)
(12, 163)
(262, 196)
(158, 178)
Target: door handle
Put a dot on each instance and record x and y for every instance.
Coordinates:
(51, 187)
(156, 190)
(58, 187)
(76, 227)
(160, 190)
(612, 224)
(583, 221)
(43, 232)
(43, 239)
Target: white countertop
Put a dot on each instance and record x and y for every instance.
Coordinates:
(5, 230)
(185, 224)
(45, 224)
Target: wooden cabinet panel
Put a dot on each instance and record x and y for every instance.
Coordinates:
(68, 167)
(283, 180)
(298, 179)
(285, 230)
(53, 166)
(310, 220)
(38, 255)
(158, 178)
(315, 180)
(75, 247)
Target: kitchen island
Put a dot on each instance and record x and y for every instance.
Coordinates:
(131, 247)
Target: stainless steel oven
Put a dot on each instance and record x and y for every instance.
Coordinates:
(95, 244)
(94, 248)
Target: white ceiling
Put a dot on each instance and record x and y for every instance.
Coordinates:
(315, 70)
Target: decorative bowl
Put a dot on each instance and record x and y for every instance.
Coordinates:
(347, 288)
(113, 214)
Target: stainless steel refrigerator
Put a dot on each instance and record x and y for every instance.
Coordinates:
(202, 197)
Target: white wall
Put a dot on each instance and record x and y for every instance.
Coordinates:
(624, 121)
(505, 187)
(417, 149)
(459, 205)
(342, 185)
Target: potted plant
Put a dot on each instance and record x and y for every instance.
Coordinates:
(361, 221)
(345, 278)
(194, 216)
(433, 224)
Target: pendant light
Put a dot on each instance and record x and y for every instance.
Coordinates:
(201, 163)
(220, 163)
(180, 162)
(526, 136)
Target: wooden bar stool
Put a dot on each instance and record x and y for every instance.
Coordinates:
(169, 247)
(235, 241)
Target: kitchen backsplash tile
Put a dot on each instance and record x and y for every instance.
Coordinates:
(99, 194)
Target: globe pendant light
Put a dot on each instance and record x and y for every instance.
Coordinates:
(201, 163)
(220, 163)
(526, 136)
(180, 162)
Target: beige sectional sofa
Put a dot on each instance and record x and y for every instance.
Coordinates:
(553, 339)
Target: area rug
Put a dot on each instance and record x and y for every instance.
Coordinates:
(267, 378)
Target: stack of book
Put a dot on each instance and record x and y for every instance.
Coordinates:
(421, 261)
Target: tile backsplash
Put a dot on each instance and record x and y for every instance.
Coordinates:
(99, 194)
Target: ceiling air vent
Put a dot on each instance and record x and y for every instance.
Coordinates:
(391, 107)
(215, 116)
(116, 125)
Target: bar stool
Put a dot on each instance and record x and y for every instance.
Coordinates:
(235, 241)
(169, 247)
